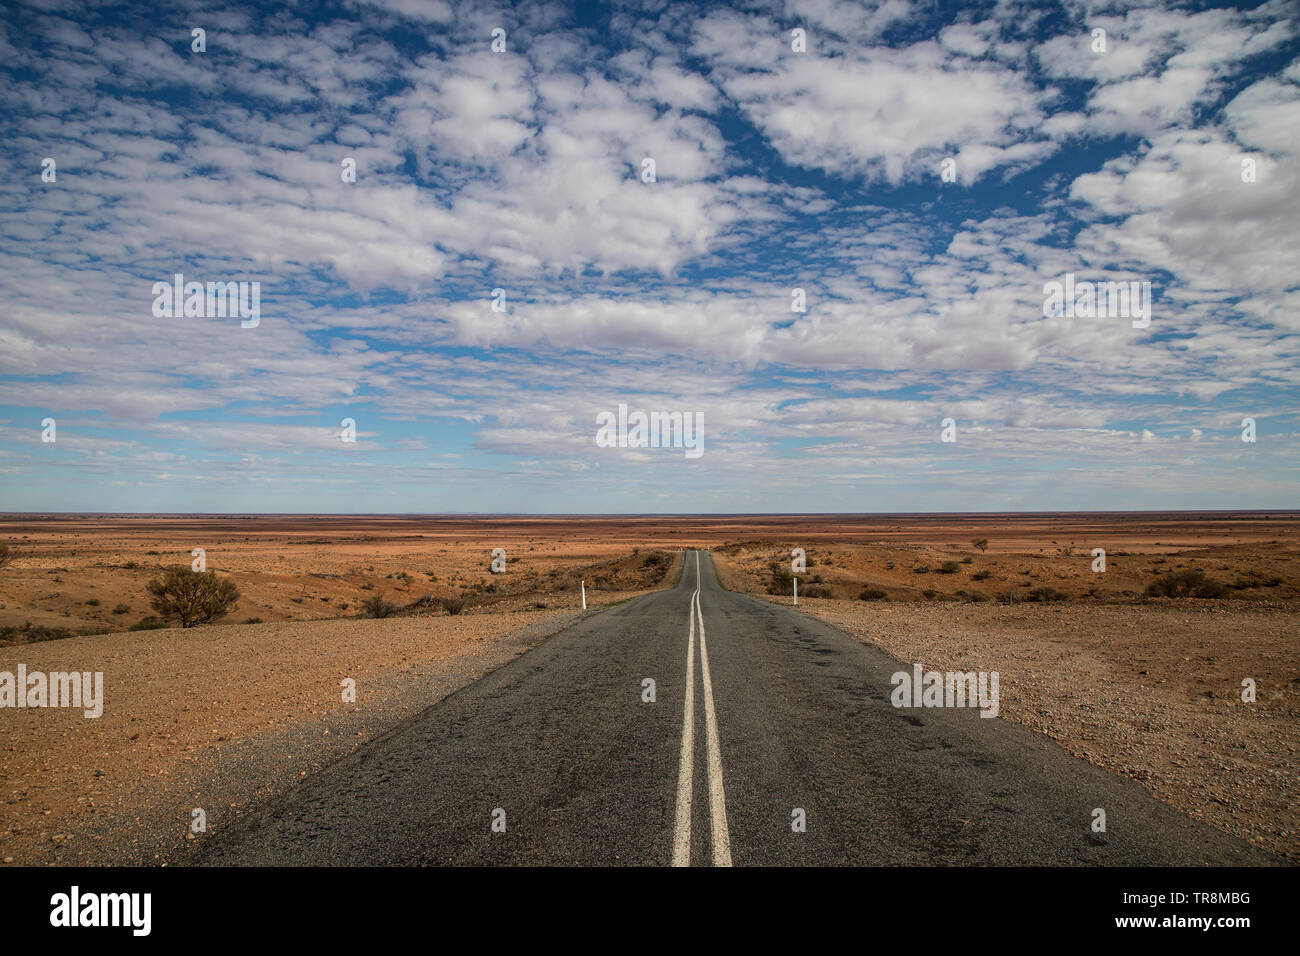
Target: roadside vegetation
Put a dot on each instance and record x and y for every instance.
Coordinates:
(1188, 583)
(29, 633)
(176, 596)
(1066, 573)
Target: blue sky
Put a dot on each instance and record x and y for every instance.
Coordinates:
(819, 169)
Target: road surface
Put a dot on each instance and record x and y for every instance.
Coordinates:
(558, 758)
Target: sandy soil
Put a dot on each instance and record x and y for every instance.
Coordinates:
(1264, 570)
(87, 575)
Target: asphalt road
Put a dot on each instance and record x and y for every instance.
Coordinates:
(785, 713)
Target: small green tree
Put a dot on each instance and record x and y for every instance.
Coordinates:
(6, 555)
(192, 597)
(981, 543)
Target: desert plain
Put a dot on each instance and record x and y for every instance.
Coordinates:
(223, 716)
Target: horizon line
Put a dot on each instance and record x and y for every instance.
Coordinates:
(624, 514)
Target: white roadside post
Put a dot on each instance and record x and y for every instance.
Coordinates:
(796, 591)
(583, 585)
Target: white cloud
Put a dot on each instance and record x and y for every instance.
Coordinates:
(874, 111)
